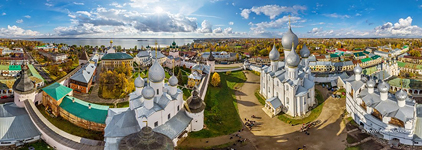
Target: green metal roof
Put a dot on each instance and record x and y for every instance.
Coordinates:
(375, 57)
(358, 54)
(365, 60)
(4, 67)
(407, 83)
(113, 56)
(57, 91)
(35, 73)
(15, 67)
(80, 108)
(366, 52)
(334, 55)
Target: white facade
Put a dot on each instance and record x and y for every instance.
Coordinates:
(160, 112)
(383, 114)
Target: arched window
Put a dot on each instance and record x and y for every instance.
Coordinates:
(157, 92)
(287, 101)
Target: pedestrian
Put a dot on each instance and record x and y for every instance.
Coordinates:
(231, 137)
(304, 146)
(245, 119)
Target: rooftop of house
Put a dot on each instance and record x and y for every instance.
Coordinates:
(57, 91)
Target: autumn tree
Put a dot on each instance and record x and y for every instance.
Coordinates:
(215, 80)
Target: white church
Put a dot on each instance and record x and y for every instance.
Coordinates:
(159, 104)
(288, 86)
(394, 117)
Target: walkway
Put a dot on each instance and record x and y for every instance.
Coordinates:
(272, 133)
(53, 134)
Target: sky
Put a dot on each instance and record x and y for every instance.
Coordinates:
(210, 18)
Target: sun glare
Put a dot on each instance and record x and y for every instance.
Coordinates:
(158, 9)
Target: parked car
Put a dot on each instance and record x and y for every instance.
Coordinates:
(3, 97)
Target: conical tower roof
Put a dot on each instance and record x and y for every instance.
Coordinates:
(23, 83)
(195, 102)
(211, 57)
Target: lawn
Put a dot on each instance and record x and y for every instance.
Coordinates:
(186, 93)
(70, 128)
(314, 112)
(38, 145)
(259, 97)
(221, 117)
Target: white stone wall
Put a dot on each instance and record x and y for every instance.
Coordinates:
(197, 120)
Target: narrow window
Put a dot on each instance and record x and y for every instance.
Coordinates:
(156, 124)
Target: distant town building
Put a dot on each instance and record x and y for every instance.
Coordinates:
(57, 57)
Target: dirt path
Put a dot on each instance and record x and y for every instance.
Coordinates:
(273, 134)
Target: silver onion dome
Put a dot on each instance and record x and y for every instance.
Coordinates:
(156, 72)
(148, 92)
(274, 54)
(292, 60)
(288, 39)
(173, 81)
(357, 69)
(401, 95)
(304, 52)
(370, 83)
(139, 82)
(383, 87)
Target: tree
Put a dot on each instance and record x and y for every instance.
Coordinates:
(180, 78)
(237, 56)
(215, 80)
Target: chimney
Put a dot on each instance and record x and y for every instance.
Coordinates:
(89, 106)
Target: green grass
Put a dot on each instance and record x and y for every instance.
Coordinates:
(314, 112)
(259, 97)
(70, 128)
(186, 93)
(221, 117)
(119, 105)
(38, 145)
(353, 148)
(350, 139)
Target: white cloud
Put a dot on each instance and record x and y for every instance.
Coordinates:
(27, 16)
(206, 27)
(420, 6)
(48, 4)
(102, 20)
(231, 23)
(3, 14)
(85, 28)
(228, 31)
(275, 24)
(358, 14)
(335, 15)
(19, 21)
(403, 27)
(233, 4)
(14, 31)
(117, 5)
(272, 10)
(315, 30)
(319, 23)
(84, 13)
(76, 3)
(217, 30)
(245, 13)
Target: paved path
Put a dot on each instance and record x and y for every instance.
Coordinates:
(275, 134)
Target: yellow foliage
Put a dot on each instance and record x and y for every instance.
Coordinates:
(215, 80)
